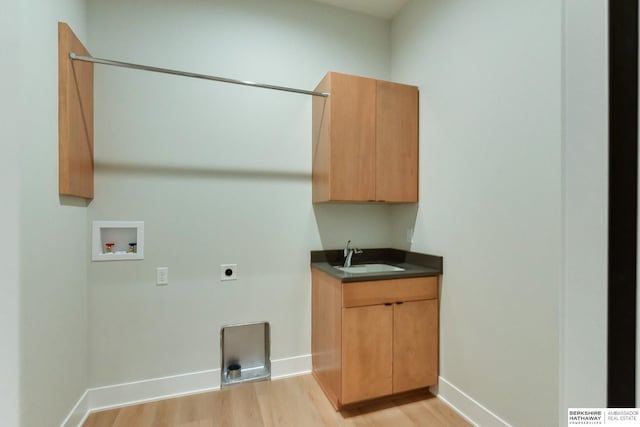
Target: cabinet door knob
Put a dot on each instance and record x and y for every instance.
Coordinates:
(388, 303)
(400, 302)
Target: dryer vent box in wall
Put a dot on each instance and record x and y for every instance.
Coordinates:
(117, 240)
(245, 353)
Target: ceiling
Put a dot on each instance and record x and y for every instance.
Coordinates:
(386, 9)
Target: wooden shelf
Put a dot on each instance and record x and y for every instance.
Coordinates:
(75, 117)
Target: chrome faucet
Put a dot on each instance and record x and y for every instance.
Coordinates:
(348, 253)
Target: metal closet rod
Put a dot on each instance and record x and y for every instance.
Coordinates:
(95, 60)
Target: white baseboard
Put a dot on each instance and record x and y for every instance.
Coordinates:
(291, 366)
(466, 406)
(79, 413)
(118, 395)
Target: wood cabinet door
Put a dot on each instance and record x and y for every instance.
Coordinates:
(396, 142)
(366, 352)
(415, 345)
(353, 133)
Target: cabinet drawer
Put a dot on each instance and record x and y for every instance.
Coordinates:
(388, 291)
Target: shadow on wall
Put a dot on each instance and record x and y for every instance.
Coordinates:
(404, 218)
(176, 171)
(366, 225)
(73, 201)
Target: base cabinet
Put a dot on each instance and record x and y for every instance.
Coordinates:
(384, 341)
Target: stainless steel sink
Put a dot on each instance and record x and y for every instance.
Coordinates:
(369, 268)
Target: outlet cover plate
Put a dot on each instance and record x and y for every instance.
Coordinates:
(228, 272)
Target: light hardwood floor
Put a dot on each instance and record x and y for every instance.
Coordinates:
(296, 402)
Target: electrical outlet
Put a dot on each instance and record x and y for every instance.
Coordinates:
(228, 272)
(162, 276)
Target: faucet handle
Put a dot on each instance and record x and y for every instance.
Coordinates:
(347, 248)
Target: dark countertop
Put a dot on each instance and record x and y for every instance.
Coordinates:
(415, 264)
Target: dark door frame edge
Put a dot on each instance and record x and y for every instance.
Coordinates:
(623, 197)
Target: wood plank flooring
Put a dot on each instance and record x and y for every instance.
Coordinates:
(296, 402)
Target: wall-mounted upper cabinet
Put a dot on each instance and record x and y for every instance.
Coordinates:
(365, 141)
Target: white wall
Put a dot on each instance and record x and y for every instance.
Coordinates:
(584, 305)
(490, 188)
(219, 173)
(9, 214)
(53, 233)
